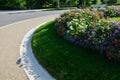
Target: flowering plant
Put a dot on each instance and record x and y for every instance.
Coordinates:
(91, 30)
(112, 12)
(76, 27)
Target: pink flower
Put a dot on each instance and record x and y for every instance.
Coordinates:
(117, 24)
(115, 40)
(118, 40)
(110, 57)
(89, 38)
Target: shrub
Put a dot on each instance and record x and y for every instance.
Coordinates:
(87, 15)
(12, 4)
(112, 1)
(112, 12)
(89, 29)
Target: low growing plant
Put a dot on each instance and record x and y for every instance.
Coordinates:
(112, 12)
(89, 29)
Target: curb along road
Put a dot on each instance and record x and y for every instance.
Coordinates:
(10, 39)
(30, 65)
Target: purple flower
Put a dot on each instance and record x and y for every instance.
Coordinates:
(91, 46)
(72, 40)
(77, 42)
(116, 31)
(117, 24)
(113, 34)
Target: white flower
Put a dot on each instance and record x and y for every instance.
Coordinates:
(68, 23)
(71, 28)
(81, 26)
(81, 23)
(68, 31)
(83, 30)
(75, 19)
(83, 19)
(76, 23)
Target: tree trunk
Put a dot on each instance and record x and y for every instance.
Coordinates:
(84, 3)
(70, 4)
(58, 4)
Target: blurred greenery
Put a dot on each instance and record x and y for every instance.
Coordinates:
(12, 4)
(66, 61)
(37, 4)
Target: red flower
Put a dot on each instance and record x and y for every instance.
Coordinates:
(110, 57)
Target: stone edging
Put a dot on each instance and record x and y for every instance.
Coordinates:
(32, 68)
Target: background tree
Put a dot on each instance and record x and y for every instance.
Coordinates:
(39, 3)
(12, 4)
(70, 3)
(82, 3)
(112, 1)
(54, 3)
(58, 4)
(94, 2)
(104, 1)
(30, 4)
(85, 3)
(35, 4)
(118, 2)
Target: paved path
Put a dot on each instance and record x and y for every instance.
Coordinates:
(10, 39)
(8, 17)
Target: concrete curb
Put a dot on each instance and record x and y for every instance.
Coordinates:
(32, 68)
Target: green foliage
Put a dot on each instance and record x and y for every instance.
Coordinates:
(116, 19)
(73, 2)
(104, 1)
(21, 4)
(90, 29)
(85, 3)
(94, 2)
(76, 27)
(112, 12)
(118, 1)
(66, 61)
(30, 4)
(35, 4)
(112, 1)
(76, 14)
(12, 4)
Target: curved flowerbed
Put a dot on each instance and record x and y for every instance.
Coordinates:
(65, 61)
(91, 29)
(94, 32)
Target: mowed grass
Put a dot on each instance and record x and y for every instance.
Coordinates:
(116, 19)
(66, 61)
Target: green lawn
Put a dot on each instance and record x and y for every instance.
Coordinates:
(116, 18)
(66, 61)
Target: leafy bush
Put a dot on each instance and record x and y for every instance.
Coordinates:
(112, 1)
(86, 15)
(112, 12)
(89, 29)
(12, 4)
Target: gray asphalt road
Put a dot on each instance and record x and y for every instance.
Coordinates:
(8, 17)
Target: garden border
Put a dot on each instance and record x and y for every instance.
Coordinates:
(32, 68)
